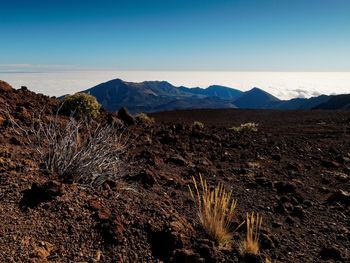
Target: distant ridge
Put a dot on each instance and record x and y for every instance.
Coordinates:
(152, 96)
(336, 102)
(214, 90)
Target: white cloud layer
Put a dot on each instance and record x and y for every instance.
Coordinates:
(284, 85)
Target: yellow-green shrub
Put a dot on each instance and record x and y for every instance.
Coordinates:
(249, 126)
(144, 117)
(80, 105)
(198, 125)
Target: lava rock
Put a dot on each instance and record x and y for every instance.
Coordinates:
(146, 177)
(341, 197)
(39, 193)
(186, 256)
(331, 252)
(178, 160)
(126, 116)
(330, 164)
(285, 187)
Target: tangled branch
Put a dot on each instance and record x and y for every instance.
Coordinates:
(74, 150)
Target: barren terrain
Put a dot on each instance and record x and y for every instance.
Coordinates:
(294, 171)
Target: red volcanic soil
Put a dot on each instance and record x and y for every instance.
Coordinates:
(294, 171)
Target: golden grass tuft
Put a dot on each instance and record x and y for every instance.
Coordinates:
(251, 244)
(215, 210)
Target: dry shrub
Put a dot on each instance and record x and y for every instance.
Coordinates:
(249, 126)
(215, 210)
(251, 244)
(76, 151)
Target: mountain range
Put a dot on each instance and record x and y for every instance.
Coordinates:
(152, 96)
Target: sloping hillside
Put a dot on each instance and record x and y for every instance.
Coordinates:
(337, 102)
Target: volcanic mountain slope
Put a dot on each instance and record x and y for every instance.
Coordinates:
(298, 103)
(254, 99)
(337, 102)
(150, 96)
(294, 171)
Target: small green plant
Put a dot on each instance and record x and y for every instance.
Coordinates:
(249, 126)
(215, 210)
(144, 117)
(251, 244)
(80, 105)
(198, 125)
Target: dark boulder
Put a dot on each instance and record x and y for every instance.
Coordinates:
(126, 116)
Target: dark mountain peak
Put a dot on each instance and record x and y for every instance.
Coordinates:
(116, 81)
(259, 92)
(256, 89)
(254, 98)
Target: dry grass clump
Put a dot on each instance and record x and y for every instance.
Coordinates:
(144, 117)
(215, 210)
(251, 244)
(249, 126)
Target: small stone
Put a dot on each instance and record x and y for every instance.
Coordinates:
(340, 196)
(103, 214)
(178, 160)
(285, 187)
(94, 205)
(330, 164)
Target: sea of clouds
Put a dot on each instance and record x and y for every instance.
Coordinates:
(284, 85)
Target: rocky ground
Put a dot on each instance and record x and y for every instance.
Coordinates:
(294, 171)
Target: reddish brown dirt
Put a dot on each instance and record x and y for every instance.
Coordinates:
(294, 171)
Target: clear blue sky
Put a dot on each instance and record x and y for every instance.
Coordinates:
(215, 35)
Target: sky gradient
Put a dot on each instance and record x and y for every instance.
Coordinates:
(236, 35)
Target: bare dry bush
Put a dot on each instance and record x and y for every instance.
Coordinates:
(74, 150)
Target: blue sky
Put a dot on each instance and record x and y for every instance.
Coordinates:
(215, 35)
